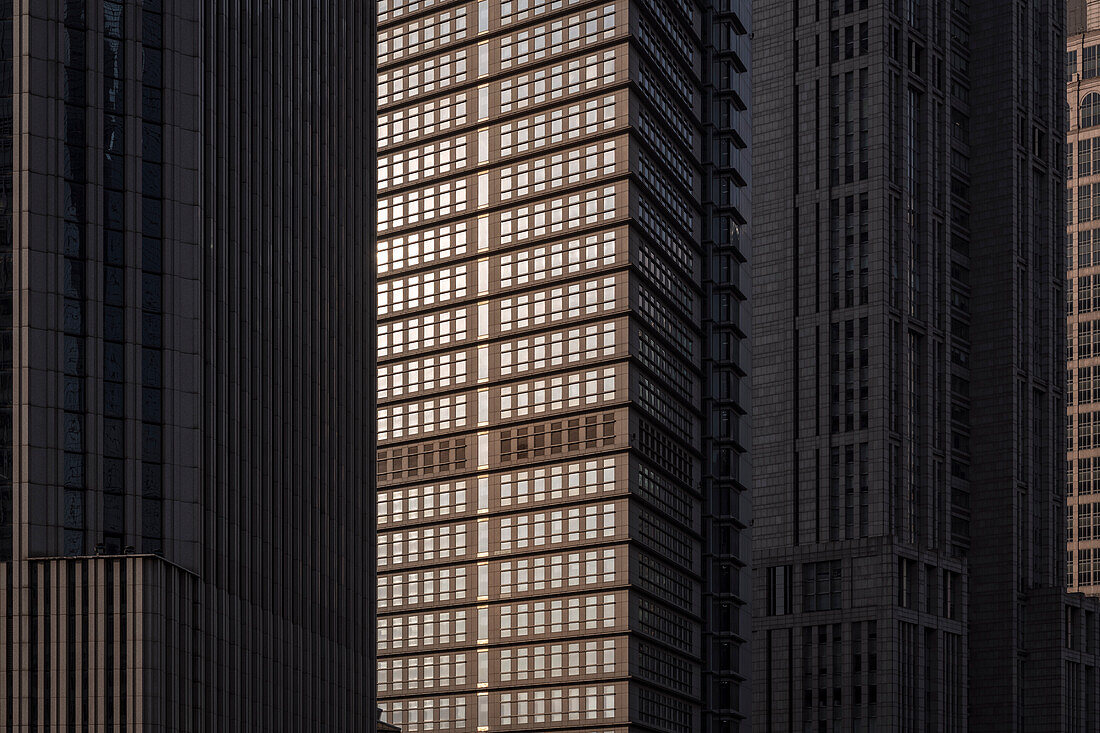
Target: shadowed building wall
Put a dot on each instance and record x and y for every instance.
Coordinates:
(909, 299)
(190, 509)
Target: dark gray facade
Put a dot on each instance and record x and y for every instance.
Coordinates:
(191, 499)
(909, 301)
(563, 254)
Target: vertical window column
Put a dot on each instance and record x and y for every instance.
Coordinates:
(152, 155)
(114, 274)
(73, 365)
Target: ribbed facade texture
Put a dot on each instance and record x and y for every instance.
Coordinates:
(909, 300)
(562, 354)
(186, 425)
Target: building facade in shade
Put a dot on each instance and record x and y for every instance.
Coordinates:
(908, 298)
(562, 355)
(186, 435)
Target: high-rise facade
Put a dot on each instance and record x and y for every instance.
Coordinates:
(909, 302)
(562, 353)
(1083, 450)
(186, 440)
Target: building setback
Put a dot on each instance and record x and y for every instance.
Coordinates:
(562, 276)
(186, 513)
(909, 299)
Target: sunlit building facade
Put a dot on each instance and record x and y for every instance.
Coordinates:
(562, 351)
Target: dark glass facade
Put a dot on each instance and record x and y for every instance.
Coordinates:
(186, 366)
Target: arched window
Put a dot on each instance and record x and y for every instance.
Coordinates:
(1090, 110)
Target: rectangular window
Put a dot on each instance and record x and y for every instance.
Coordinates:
(483, 103)
(779, 590)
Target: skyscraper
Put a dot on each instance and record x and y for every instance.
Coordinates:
(562, 259)
(186, 447)
(908, 308)
(1083, 450)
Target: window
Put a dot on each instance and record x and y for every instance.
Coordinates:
(424, 544)
(557, 348)
(1089, 67)
(442, 585)
(557, 483)
(779, 590)
(821, 586)
(1090, 110)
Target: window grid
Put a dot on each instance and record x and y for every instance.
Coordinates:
(440, 158)
(405, 379)
(515, 11)
(559, 348)
(546, 529)
(422, 290)
(557, 616)
(553, 394)
(427, 673)
(422, 418)
(423, 332)
(560, 169)
(413, 631)
(555, 483)
(415, 503)
(426, 544)
(422, 247)
(443, 585)
(557, 126)
(407, 124)
(422, 205)
(552, 661)
(423, 35)
(567, 78)
(556, 37)
(557, 215)
(550, 306)
(553, 572)
(424, 77)
(536, 707)
(428, 714)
